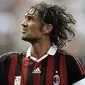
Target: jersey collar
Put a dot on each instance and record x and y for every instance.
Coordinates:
(51, 51)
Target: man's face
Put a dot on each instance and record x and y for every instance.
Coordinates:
(31, 27)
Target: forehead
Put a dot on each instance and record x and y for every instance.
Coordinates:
(32, 12)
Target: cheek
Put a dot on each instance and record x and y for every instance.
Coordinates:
(30, 27)
(34, 28)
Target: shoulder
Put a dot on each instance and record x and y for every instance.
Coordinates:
(8, 55)
(69, 56)
(74, 66)
(72, 59)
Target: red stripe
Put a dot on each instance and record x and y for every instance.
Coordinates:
(63, 75)
(36, 79)
(36, 76)
(80, 65)
(13, 62)
(50, 70)
(24, 71)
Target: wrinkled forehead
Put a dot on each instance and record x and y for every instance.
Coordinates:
(31, 11)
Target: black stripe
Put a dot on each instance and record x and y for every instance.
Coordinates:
(43, 72)
(73, 72)
(29, 80)
(19, 65)
(57, 62)
(56, 65)
(4, 77)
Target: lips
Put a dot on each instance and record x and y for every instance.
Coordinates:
(24, 31)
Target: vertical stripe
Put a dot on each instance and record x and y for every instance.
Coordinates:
(25, 63)
(36, 79)
(12, 69)
(50, 70)
(36, 76)
(19, 65)
(56, 80)
(43, 72)
(29, 80)
(63, 74)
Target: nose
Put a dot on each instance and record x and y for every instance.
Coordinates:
(24, 23)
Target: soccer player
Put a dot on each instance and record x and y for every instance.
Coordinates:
(47, 28)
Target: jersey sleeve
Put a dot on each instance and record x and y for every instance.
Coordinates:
(5, 61)
(75, 70)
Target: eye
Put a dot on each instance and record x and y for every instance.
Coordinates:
(29, 18)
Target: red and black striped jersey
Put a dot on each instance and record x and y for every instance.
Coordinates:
(59, 69)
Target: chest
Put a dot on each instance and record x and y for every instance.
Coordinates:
(51, 71)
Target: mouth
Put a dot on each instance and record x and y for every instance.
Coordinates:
(24, 31)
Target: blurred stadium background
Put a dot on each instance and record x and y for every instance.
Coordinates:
(12, 14)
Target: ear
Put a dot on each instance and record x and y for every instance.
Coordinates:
(47, 28)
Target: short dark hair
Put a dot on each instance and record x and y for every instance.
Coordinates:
(60, 20)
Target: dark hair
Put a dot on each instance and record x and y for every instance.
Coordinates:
(61, 21)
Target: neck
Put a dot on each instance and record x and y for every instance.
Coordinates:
(40, 48)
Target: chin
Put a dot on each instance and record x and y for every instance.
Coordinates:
(31, 40)
(24, 38)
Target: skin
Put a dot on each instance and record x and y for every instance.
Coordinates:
(37, 36)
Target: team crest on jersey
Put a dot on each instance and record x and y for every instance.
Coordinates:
(56, 79)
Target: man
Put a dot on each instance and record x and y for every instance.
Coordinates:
(47, 28)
